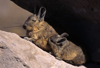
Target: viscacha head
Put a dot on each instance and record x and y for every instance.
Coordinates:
(34, 19)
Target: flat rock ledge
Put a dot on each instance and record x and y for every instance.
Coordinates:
(16, 52)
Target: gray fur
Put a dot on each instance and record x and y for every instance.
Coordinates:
(66, 50)
(38, 31)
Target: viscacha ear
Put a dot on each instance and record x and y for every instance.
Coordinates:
(64, 35)
(41, 14)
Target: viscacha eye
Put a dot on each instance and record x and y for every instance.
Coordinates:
(34, 20)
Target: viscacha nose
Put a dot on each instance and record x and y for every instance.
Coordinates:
(24, 26)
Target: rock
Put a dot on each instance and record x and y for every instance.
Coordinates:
(79, 18)
(11, 22)
(16, 52)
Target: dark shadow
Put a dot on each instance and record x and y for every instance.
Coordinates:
(93, 65)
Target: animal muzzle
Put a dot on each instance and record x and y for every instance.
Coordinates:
(24, 26)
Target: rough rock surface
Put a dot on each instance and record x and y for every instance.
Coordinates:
(79, 18)
(16, 52)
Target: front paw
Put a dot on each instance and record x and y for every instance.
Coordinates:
(58, 58)
(28, 39)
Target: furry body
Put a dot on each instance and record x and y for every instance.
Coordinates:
(38, 31)
(66, 50)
